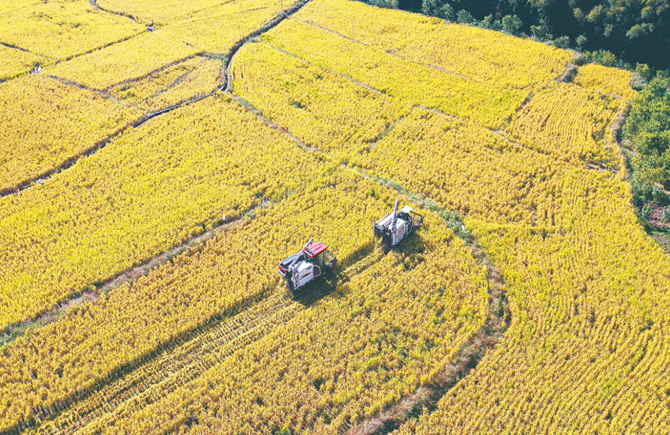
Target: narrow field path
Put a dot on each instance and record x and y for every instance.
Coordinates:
(265, 28)
(94, 3)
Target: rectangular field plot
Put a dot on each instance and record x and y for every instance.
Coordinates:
(186, 80)
(127, 60)
(484, 55)
(62, 29)
(324, 110)
(414, 83)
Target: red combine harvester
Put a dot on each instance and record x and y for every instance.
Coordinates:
(307, 265)
(394, 227)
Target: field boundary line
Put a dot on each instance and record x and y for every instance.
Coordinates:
(103, 93)
(154, 72)
(337, 73)
(283, 15)
(71, 161)
(274, 125)
(95, 4)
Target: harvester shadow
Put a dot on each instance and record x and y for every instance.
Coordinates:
(367, 256)
(315, 291)
(333, 281)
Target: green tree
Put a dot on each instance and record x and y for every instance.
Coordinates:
(465, 17)
(648, 128)
(511, 24)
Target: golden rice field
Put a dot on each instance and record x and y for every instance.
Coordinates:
(160, 159)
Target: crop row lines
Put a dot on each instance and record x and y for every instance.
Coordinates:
(192, 356)
(186, 358)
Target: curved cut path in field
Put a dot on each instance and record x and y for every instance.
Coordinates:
(186, 358)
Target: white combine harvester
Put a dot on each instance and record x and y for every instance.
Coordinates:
(307, 265)
(394, 227)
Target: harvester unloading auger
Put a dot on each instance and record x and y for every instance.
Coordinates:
(307, 265)
(394, 227)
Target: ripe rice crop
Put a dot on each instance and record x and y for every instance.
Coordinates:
(212, 30)
(568, 122)
(326, 111)
(61, 29)
(379, 337)
(218, 29)
(238, 266)
(468, 121)
(45, 123)
(413, 83)
(131, 59)
(151, 12)
(502, 60)
(147, 191)
(10, 5)
(14, 62)
(192, 78)
(607, 80)
(464, 167)
(589, 348)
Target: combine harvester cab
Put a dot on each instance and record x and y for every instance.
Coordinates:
(307, 265)
(394, 227)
